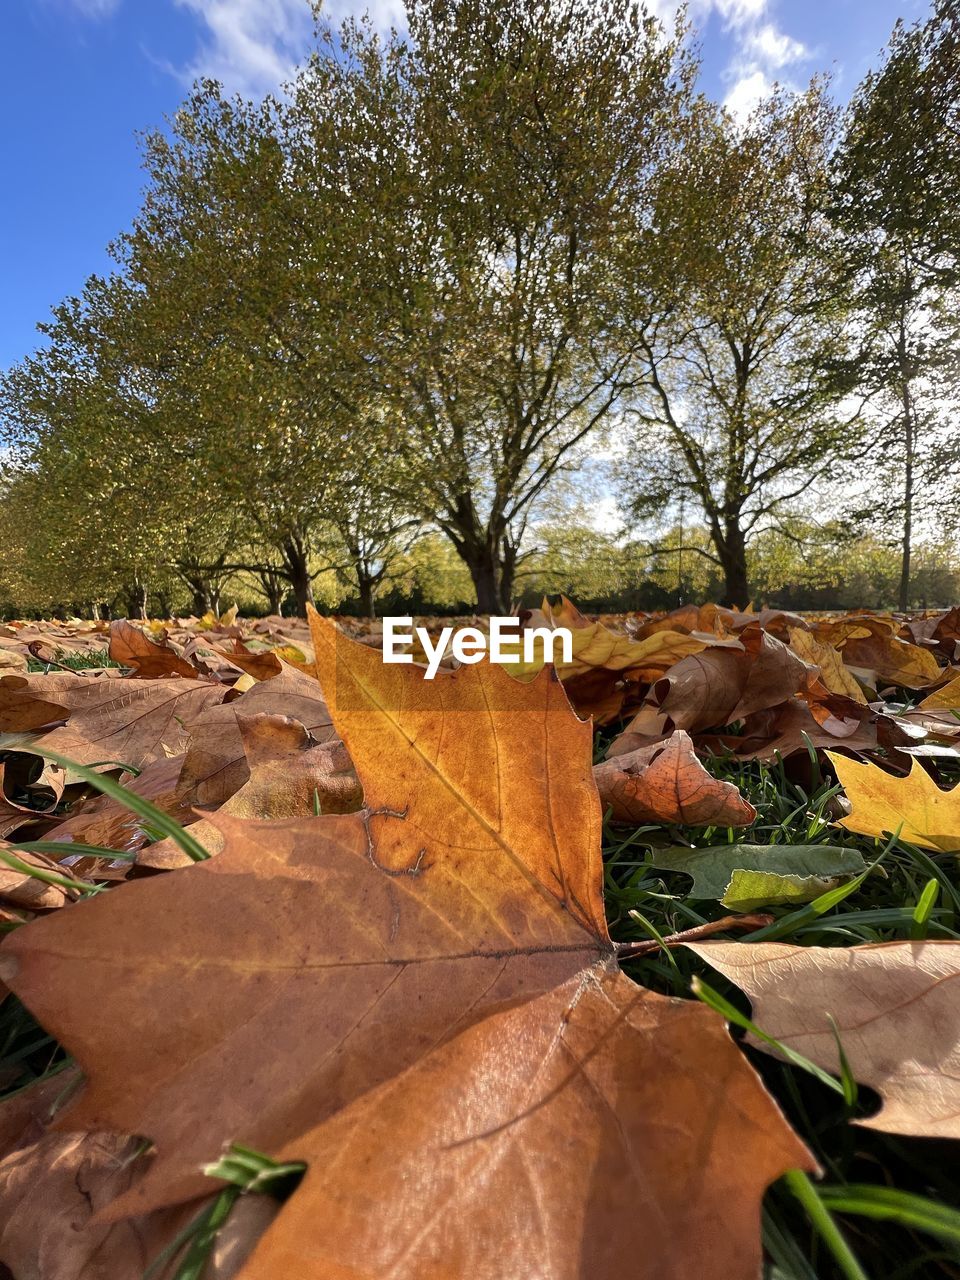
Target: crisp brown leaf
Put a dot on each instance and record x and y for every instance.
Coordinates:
(895, 1009)
(291, 776)
(216, 765)
(720, 685)
(596, 1132)
(129, 721)
(667, 783)
(110, 824)
(130, 646)
(448, 943)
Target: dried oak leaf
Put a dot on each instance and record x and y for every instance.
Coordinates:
(667, 783)
(895, 1006)
(447, 948)
(914, 806)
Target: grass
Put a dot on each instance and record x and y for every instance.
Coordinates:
(885, 1209)
(91, 659)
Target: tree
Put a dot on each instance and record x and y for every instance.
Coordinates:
(486, 170)
(110, 496)
(897, 201)
(744, 364)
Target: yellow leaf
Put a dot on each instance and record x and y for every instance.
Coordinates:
(833, 673)
(943, 699)
(914, 806)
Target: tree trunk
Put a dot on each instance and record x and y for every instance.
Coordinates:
(903, 595)
(295, 557)
(136, 601)
(485, 573)
(274, 588)
(367, 595)
(732, 551)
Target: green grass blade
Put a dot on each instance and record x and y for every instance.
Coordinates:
(158, 820)
(818, 1213)
(909, 1210)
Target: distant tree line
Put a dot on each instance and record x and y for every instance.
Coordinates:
(391, 317)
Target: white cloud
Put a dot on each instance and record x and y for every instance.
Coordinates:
(774, 48)
(761, 51)
(251, 46)
(747, 93)
(254, 46)
(739, 13)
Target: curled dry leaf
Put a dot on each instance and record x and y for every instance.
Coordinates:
(667, 783)
(721, 685)
(130, 646)
(110, 824)
(291, 776)
(895, 1010)
(602, 660)
(447, 946)
(52, 1185)
(216, 765)
(882, 804)
(20, 889)
(870, 645)
(833, 673)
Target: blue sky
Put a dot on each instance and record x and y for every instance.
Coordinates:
(80, 78)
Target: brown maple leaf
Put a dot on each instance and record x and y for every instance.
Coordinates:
(424, 998)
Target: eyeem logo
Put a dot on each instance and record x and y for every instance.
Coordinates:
(504, 644)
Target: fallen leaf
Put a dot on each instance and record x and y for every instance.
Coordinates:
(130, 646)
(110, 824)
(745, 876)
(721, 685)
(129, 721)
(448, 944)
(291, 776)
(667, 783)
(834, 674)
(216, 766)
(869, 644)
(945, 698)
(914, 806)
(894, 1005)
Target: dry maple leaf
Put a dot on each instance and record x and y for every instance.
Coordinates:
(127, 720)
(895, 1006)
(914, 806)
(130, 646)
(447, 947)
(667, 783)
(721, 685)
(291, 775)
